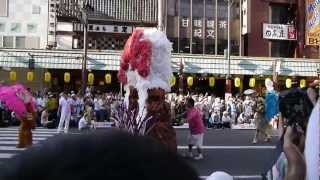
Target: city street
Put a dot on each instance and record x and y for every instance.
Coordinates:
(224, 150)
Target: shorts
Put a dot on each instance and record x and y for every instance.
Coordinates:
(195, 139)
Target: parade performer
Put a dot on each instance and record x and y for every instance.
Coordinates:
(262, 125)
(272, 101)
(145, 67)
(17, 99)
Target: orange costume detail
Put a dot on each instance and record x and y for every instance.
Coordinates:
(27, 123)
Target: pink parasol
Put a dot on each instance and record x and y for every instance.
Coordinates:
(15, 98)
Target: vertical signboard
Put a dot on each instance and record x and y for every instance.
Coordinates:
(246, 15)
(313, 22)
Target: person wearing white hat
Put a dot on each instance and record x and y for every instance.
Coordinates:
(219, 175)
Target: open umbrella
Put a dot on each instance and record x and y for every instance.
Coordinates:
(15, 98)
(249, 92)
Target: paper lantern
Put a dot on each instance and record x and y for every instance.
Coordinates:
(288, 83)
(252, 82)
(30, 76)
(212, 81)
(108, 78)
(237, 82)
(67, 77)
(13, 76)
(47, 77)
(302, 83)
(173, 81)
(190, 81)
(90, 78)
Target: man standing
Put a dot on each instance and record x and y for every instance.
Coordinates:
(196, 127)
(65, 113)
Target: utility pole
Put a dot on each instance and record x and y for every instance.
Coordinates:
(228, 51)
(84, 19)
(160, 15)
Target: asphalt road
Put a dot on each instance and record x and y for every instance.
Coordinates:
(232, 151)
(224, 150)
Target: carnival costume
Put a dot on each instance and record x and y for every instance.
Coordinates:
(17, 99)
(145, 70)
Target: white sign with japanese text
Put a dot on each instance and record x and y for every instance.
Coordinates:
(279, 31)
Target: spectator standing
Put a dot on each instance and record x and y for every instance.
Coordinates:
(65, 113)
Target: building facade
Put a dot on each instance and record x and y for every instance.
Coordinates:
(23, 24)
(110, 22)
(259, 28)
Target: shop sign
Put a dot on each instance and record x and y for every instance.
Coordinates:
(109, 28)
(279, 32)
(203, 28)
(313, 22)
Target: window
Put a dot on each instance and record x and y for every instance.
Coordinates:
(20, 42)
(8, 41)
(2, 27)
(32, 43)
(15, 27)
(31, 28)
(36, 9)
(3, 8)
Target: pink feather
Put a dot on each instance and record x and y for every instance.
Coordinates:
(8, 96)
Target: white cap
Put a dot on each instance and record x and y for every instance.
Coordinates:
(219, 175)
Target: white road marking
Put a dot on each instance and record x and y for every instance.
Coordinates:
(14, 142)
(241, 177)
(232, 147)
(16, 138)
(10, 148)
(33, 134)
(38, 132)
(6, 155)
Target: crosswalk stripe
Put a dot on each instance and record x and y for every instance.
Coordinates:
(10, 148)
(16, 138)
(14, 142)
(36, 129)
(39, 132)
(6, 155)
(33, 134)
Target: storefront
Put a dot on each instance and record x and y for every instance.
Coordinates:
(200, 67)
(200, 26)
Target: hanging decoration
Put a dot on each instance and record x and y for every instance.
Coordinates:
(288, 83)
(13, 76)
(212, 81)
(67, 77)
(190, 81)
(90, 79)
(108, 78)
(173, 81)
(30, 76)
(237, 82)
(252, 82)
(302, 83)
(47, 77)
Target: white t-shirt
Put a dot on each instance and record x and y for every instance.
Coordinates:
(97, 106)
(82, 123)
(64, 105)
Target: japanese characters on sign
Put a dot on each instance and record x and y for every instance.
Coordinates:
(313, 22)
(109, 28)
(279, 32)
(202, 28)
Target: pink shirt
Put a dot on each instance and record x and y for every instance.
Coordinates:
(195, 121)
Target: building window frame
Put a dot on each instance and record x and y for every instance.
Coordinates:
(6, 8)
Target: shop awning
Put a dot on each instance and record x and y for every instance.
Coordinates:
(109, 60)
